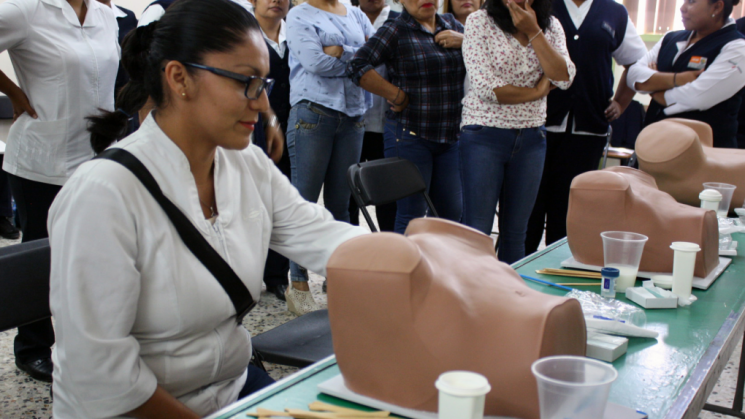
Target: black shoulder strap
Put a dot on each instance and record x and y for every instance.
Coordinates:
(193, 239)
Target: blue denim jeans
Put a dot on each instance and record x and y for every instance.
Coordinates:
(439, 165)
(322, 144)
(509, 161)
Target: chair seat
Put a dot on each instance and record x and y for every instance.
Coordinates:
(299, 342)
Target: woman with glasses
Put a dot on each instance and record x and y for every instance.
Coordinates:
(144, 328)
(65, 54)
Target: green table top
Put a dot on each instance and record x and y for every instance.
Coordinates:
(667, 377)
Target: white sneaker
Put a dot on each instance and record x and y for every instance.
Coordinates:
(300, 302)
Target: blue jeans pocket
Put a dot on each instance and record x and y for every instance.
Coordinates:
(307, 118)
(472, 128)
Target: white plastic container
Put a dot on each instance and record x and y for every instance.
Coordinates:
(573, 387)
(461, 395)
(684, 260)
(710, 199)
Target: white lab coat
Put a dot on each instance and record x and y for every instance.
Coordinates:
(68, 71)
(134, 308)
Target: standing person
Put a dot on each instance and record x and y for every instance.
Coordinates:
(271, 14)
(326, 124)
(421, 52)
(697, 73)
(145, 329)
(372, 146)
(461, 9)
(597, 32)
(127, 21)
(66, 55)
(515, 53)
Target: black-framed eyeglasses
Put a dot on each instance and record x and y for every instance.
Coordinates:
(254, 85)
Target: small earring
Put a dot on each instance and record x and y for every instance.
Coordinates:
(183, 94)
(714, 15)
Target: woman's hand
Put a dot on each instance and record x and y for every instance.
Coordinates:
(275, 142)
(613, 111)
(403, 101)
(334, 51)
(524, 19)
(21, 104)
(687, 77)
(544, 86)
(449, 39)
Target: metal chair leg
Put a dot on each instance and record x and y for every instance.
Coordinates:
(736, 409)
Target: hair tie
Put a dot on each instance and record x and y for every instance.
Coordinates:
(123, 113)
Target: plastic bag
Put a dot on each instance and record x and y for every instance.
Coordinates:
(595, 305)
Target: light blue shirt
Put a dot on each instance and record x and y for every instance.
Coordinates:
(316, 76)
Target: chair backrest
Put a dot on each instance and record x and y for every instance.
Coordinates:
(24, 283)
(383, 181)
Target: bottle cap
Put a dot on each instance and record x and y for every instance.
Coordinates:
(610, 272)
(710, 195)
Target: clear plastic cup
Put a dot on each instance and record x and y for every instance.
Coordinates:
(623, 250)
(462, 395)
(726, 190)
(684, 261)
(573, 387)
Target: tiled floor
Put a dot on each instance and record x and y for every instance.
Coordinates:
(24, 398)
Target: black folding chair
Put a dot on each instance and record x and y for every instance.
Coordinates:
(298, 343)
(24, 283)
(383, 181)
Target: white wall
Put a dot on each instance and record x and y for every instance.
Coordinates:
(137, 6)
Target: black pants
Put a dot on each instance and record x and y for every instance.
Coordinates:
(567, 155)
(33, 199)
(277, 267)
(6, 207)
(372, 149)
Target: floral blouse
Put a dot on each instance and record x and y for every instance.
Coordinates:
(494, 59)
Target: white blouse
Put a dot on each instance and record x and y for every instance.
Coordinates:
(495, 59)
(67, 70)
(134, 308)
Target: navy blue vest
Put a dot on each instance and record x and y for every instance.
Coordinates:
(279, 70)
(590, 47)
(162, 3)
(721, 117)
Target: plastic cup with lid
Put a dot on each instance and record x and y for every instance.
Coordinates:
(462, 395)
(623, 250)
(573, 386)
(726, 190)
(684, 260)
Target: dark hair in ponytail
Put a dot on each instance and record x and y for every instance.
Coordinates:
(727, 9)
(187, 31)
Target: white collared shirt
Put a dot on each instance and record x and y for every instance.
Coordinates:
(67, 71)
(134, 308)
(375, 116)
(279, 47)
(631, 50)
(722, 79)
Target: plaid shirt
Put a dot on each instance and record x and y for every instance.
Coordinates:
(431, 75)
